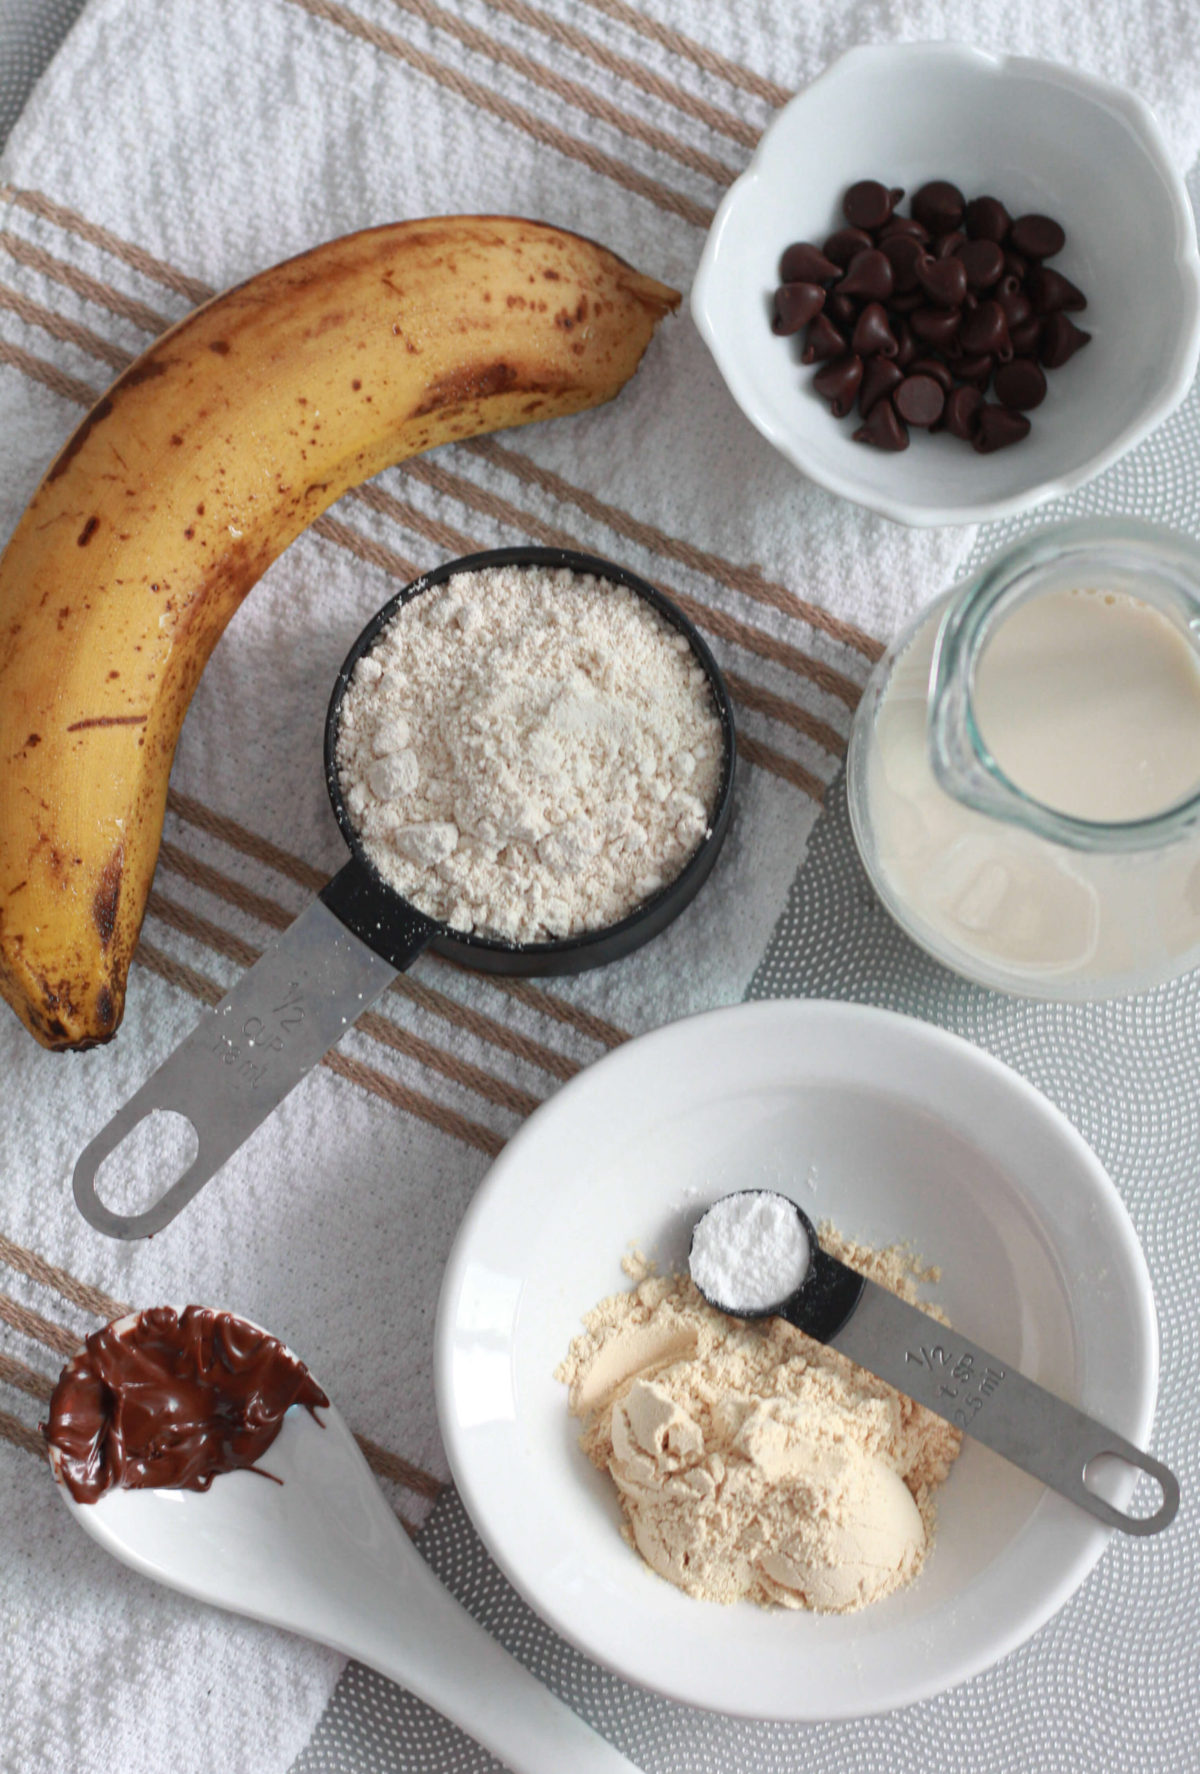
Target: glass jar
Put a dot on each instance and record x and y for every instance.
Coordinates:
(1012, 892)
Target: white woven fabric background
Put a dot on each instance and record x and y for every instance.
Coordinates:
(218, 136)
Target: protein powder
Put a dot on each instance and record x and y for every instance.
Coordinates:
(750, 1461)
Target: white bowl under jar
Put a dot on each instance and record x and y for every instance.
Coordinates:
(1042, 138)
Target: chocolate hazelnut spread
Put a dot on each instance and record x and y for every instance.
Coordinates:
(163, 1399)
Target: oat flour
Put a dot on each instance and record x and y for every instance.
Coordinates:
(529, 753)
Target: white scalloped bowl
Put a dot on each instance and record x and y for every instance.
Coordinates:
(1041, 138)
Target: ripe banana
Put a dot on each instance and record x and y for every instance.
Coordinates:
(202, 462)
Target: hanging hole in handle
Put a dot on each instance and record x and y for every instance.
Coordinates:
(149, 1160)
(1141, 1491)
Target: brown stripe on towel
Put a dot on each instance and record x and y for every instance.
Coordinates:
(90, 289)
(710, 60)
(516, 116)
(31, 1324)
(639, 74)
(76, 1293)
(37, 203)
(71, 332)
(571, 92)
(713, 566)
(21, 1435)
(25, 1378)
(791, 769)
(48, 374)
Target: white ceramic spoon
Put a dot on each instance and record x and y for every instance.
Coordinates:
(323, 1554)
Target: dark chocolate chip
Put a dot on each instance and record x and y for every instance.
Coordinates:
(983, 261)
(1026, 337)
(984, 329)
(1016, 267)
(838, 383)
(880, 376)
(907, 302)
(906, 343)
(944, 281)
(868, 204)
(842, 246)
(1061, 339)
(935, 326)
(898, 225)
(883, 429)
(947, 245)
(962, 412)
(932, 366)
(975, 370)
(904, 253)
(842, 309)
(919, 400)
(939, 205)
(1051, 292)
(872, 332)
(1038, 237)
(1016, 305)
(805, 263)
(795, 305)
(987, 219)
(996, 427)
(822, 342)
(869, 275)
(1021, 384)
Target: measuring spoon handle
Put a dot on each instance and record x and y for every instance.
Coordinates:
(990, 1400)
(247, 1053)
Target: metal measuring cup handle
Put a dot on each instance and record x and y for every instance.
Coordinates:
(937, 1367)
(279, 1020)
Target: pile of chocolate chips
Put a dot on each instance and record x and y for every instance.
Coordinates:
(915, 317)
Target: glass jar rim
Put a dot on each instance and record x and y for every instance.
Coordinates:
(961, 760)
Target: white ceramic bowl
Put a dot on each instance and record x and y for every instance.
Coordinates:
(893, 1130)
(1041, 138)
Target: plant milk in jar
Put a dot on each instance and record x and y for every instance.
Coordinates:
(1025, 767)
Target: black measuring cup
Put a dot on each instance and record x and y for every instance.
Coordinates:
(347, 947)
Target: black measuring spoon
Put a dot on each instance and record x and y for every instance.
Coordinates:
(934, 1365)
(343, 952)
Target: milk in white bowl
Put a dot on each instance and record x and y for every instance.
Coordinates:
(1025, 767)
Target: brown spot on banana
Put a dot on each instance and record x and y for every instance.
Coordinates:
(107, 721)
(471, 382)
(107, 897)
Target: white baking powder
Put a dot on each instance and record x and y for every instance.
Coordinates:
(529, 753)
(749, 1251)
